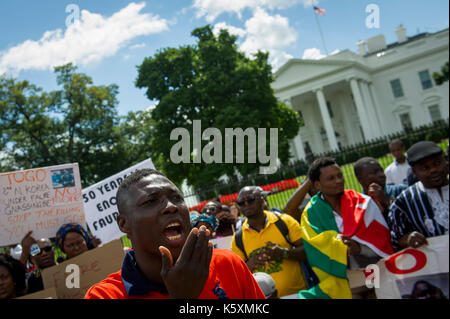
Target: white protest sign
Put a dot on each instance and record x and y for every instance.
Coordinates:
(41, 200)
(223, 242)
(100, 204)
(416, 273)
(410, 273)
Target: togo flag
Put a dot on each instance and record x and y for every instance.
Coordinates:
(327, 254)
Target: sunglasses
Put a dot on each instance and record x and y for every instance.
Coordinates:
(249, 201)
(47, 249)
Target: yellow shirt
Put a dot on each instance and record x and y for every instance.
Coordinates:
(286, 273)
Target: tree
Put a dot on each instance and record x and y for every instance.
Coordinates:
(214, 82)
(440, 78)
(78, 123)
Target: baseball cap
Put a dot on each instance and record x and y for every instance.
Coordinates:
(421, 150)
(265, 282)
(263, 192)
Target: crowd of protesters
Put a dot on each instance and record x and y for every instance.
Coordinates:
(304, 250)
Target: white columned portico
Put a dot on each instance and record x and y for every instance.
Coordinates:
(331, 135)
(370, 108)
(362, 114)
(297, 141)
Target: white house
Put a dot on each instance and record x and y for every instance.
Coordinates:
(347, 98)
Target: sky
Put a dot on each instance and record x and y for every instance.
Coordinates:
(107, 40)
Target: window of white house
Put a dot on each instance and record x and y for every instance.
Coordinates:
(435, 113)
(425, 79)
(405, 119)
(396, 88)
(300, 114)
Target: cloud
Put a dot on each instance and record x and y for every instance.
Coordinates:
(231, 30)
(88, 40)
(265, 33)
(269, 33)
(310, 3)
(138, 46)
(211, 9)
(313, 54)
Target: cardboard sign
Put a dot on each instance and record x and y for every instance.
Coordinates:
(410, 273)
(100, 204)
(49, 293)
(40, 200)
(93, 266)
(223, 242)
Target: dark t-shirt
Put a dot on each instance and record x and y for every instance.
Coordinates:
(35, 282)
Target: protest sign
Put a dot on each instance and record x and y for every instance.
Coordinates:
(93, 266)
(415, 273)
(49, 293)
(409, 273)
(222, 242)
(100, 204)
(40, 200)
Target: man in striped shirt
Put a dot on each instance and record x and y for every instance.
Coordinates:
(421, 210)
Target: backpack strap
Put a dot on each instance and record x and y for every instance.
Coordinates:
(240, 243)
(281, 225)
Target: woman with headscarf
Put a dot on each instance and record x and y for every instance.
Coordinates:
(12, 277)
(210, 221)
(73, 240)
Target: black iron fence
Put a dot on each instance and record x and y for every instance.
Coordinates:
(345, 157)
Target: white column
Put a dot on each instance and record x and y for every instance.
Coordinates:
(298, 144)
(362, 114)
(297, 141)
(326, 120)
(347, 118)
(373, 118)
(378, 111)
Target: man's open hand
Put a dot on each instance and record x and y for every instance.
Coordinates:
(186, 278)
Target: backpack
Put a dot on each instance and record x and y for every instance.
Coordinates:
(310, 276)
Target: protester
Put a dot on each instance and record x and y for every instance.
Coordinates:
(12, 277)
(73, 240)
(212, 208)
(263, 245)
(424, 290)
(267, 285)
(236, 212)
(209, 221)
(227, 222)
(169, 259)
(397, 171)
(298, 201)
(421, 211)
(373, 180)
(340, 229)
(43, 259)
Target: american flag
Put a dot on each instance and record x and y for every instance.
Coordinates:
(320, 11)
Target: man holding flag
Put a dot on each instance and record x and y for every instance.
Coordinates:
(340, 229)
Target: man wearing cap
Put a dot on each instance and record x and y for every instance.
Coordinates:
(263, 246)
(421, 210)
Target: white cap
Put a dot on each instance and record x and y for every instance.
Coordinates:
(265, 282)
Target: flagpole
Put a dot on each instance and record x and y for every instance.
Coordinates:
(321, 35)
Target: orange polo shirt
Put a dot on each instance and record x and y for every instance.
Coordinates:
(229, 277)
